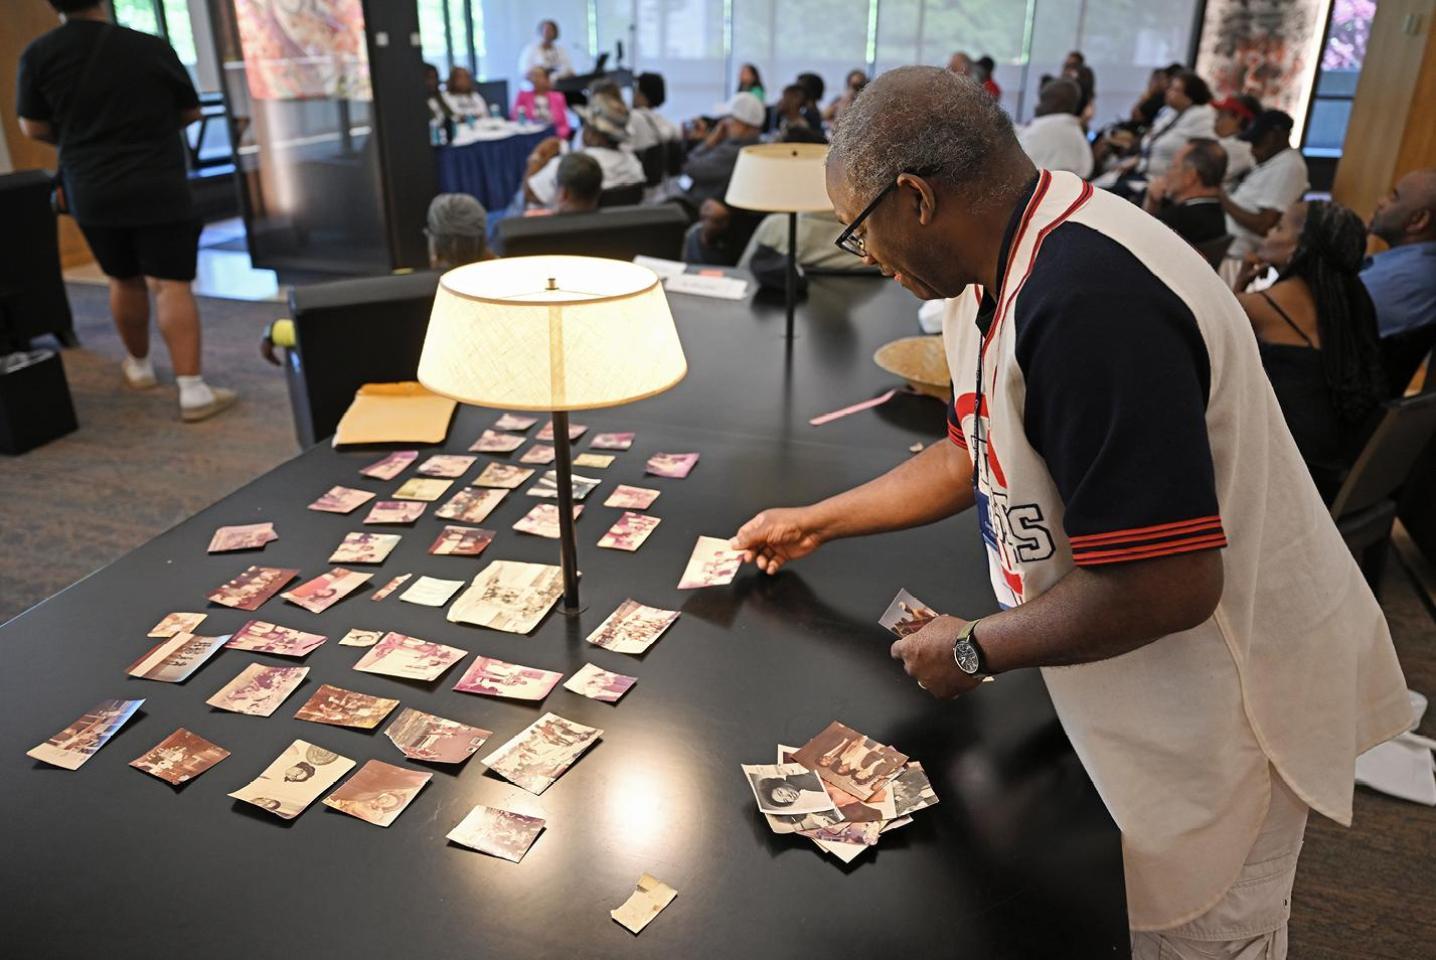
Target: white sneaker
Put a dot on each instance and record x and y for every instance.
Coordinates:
(224, 398)
(137, 376)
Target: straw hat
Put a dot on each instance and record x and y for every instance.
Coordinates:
(920, 361)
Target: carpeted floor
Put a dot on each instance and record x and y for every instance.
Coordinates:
(133, 470)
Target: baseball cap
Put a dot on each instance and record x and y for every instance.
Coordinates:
(746, 108)
(1234, 106)
(1267, 121)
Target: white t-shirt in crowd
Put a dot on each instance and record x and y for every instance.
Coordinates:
(466, 104)
(620, 168)
(1239, 161)
(648, 128)
(1057, 142)
(1273, 185)
(554, 59)
(1171, 131)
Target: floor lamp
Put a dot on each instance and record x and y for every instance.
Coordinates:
(782, 178)
(554, 334)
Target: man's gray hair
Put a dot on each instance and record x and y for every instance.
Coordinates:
(926, 121)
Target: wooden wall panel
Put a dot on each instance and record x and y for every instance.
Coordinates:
(24, 22)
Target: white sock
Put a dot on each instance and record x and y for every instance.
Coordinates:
(138, 368)
(194, 392)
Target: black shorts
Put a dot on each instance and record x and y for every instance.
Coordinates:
(165, 251)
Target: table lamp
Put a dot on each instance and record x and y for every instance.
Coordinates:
(552, 334)
(782, 178)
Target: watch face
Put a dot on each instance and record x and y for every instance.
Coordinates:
(966, 656)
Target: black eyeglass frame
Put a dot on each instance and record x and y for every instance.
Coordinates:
(846, 242)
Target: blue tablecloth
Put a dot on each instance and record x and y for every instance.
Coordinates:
(490, 170)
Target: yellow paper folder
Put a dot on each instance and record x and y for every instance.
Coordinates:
(395, 413)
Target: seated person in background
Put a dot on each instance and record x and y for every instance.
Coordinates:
(1402, 281)
(986, 66)
(751, 81)
(788, 114)
(1316, 330)
(710, 239)
(580, 181)
(856, 80)
(710, 164)
(604, 136)
(1189, 198)
(457, 228)
(1086, 81)
(1187, 114)
(1276, 182)
(438, 107)
(961, 64)
(646, 126)
(541, 103)
(1234, 116)
(459, 93)
(1054, 139)
(813, 87)
(817, 243)
(1145, 110)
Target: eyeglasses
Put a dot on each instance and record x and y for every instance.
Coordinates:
(855, 245)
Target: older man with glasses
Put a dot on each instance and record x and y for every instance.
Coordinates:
(1154, 540)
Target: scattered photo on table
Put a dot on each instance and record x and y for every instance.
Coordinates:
(575, 430)
(787, 788)
(391, 466)
(491, 677)
(423, 736)
(388, 588)
(249, 536)
(174, 623)
(431, 591)
(911, 790)
(631, 498)
(598, 461)
(539, 755)
(547, 486)
(263, 637)
(509, 596)
(295, 780)
(906, 615)
(538, 453)
(504, 476)
(251, 588)
(450, 465)
(632, 628)
(360, 638)
(365, 547)
(397, 655)
(78, 742)
(427, 489)
(346, 708)
(379, 792)
(599, 684)
(611, 441)
(173, 660)
(471, 504)
(792, 823)
(542, 520)
(258, 690)
(881, 807)
(499, 833)
(461, 542)
(180, 757)
(713, 564)
(327, 589)
(850, 761)
(675, 465)
(646, 902)
(396, 511)
(492, 441)
(341, 500)
(865, 833)
(629, 532)
(514, 421)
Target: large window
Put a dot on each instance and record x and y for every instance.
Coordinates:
(1341, 61)
(163, 18)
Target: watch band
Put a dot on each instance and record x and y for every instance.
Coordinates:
(968, 636)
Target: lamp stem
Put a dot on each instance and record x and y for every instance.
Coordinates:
(568, 543)
(792, 269)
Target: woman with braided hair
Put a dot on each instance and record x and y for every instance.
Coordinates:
(1316, 330)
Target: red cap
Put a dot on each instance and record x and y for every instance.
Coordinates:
(1234, 106)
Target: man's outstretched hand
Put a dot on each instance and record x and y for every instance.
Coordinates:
(775, 536)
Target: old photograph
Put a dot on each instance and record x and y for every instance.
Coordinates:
(396, 511)
(595, 461)
(631, 498)
(575, 430)
(911, 790)
(264, 637)
(906, 614)
(509, 595)
(365, 547)
(174, 623)
(599, 684)
(251, 588)
(713, 564)
(503, 476)
(173, 660)
(449, 465)
(471, 504)
(379, 792)
(675, 465)
(539, 755)
(391, 466)
(514, 421)
(398, 655)
(258, 690)
(78, 742)
(341, 500)
(547, 486)
(787, 788)
(461, 542)
(327, 589)
(542, 520)
(646, 902)
(431, 591)
(492, 677)
(180, 757)
(388, 588)
(632, 628)
(611, 441)
(492, 441)
(538, 453)
(499, 833)
(424, 736)
(629, 531)
(850, 761)
(295, 780)
(345, 708)
(249, 536)
(426, 489)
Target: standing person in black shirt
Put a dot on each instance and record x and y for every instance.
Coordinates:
(1188, 197)
(114, 101)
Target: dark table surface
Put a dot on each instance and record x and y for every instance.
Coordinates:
(1019, 859)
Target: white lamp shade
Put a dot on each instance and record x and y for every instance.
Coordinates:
(780, 178)
(551, 333)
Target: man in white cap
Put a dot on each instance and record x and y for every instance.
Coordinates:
(709, 168)
(605, 133)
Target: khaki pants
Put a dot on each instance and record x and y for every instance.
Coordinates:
(1249, 922)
